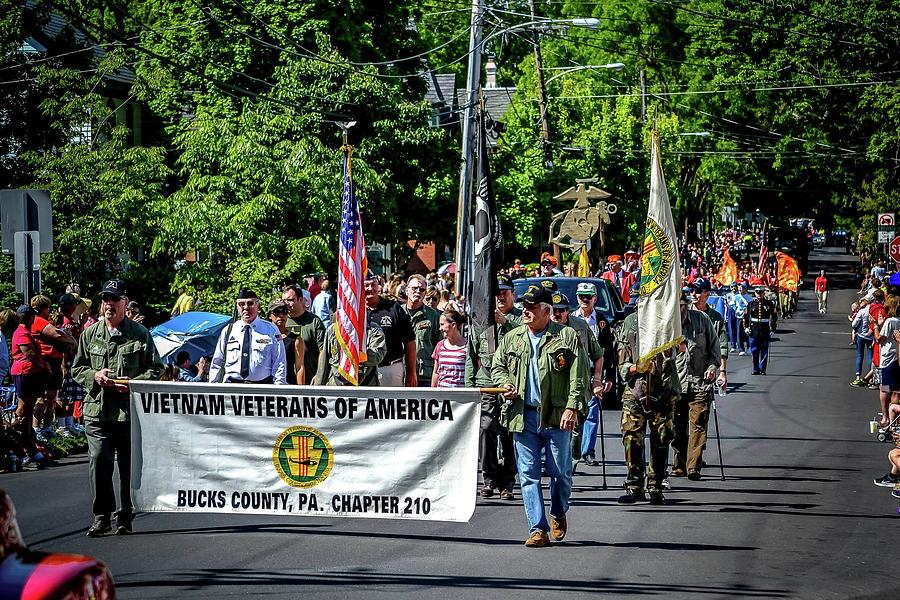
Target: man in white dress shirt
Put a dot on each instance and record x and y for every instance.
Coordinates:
(250, 350)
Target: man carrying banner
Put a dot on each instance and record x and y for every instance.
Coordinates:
(543, 369)
(649, 398)
(646, 361)
(110, 351)
(497, 468)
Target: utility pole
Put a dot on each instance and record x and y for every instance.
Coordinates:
(545, 117)
(473, 81)
(542, 94)
(643, 97)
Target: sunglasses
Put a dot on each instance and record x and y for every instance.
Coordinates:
(279, 312)
(560, 310)
(109, 298)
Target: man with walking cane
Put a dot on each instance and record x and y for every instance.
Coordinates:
(697, 364)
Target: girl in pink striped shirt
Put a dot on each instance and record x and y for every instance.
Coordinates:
(450, 353)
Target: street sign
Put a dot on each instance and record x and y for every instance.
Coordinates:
(886, 220)
(26, 210)
(26, 247)
(885, 235)
(894, 249)
(26, 286)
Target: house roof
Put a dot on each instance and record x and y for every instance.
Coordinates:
(440, 88)
(56, 26)
(496, 100)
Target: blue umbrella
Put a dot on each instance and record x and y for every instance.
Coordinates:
(194, 332)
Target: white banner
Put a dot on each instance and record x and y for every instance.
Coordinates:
(383, 453)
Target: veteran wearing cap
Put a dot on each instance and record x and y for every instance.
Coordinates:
(543, 370)
(697, 364)
(113, 349)
(249, 350)
(495, 445)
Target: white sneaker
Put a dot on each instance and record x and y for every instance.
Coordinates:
(742, 353)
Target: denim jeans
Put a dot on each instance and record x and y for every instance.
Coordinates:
(558, 446)
(736, 336)
(863, 350)
(591, 424)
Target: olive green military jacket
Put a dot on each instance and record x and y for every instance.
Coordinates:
(328, 372)
(426, 325)
(701, 354)
(562, 368)
(663, 383)
(129, 354)
(479, 356)
(719, 327)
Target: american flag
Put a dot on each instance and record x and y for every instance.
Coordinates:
(352, 268)
(763, 255)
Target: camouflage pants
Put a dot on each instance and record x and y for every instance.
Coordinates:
(634, 422)
(691, 420)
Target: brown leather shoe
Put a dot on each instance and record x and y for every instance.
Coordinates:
(538, 539)
(507, 495)
(676, 472)
(487, 491)
(558, 528)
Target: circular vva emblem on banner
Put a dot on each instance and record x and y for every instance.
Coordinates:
(657, 258)
(302, 456)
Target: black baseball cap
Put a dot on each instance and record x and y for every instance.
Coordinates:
(549, 284)
(113, 287)
(560, 300)
(535, 294)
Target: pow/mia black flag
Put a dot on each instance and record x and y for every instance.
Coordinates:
(488, 240)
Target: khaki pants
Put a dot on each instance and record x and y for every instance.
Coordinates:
(691, 420)
(393, 375)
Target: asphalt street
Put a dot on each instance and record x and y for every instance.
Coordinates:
(796, 517)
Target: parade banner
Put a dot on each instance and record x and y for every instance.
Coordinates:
(659, 315)
(380, 453)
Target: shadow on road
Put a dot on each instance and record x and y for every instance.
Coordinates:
(303, 580)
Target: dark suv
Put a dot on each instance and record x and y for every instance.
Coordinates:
(608, 301)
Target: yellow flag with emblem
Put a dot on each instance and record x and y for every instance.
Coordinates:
(584, 265)
(658, 310)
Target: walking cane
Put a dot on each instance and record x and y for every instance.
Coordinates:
(602, 440)
(718, 439)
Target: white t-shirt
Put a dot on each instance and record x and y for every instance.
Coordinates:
(888, 346)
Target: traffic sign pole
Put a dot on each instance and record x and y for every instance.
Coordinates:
(894, 249)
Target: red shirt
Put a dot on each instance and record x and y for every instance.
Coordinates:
(821, 284)
(48, 350)
(22, 364)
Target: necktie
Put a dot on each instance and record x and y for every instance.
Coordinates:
(245, 354)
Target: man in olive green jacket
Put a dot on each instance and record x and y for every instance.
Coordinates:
(112, 350)
(544, 371)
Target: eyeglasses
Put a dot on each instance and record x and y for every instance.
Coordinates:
(245, 303)
(414, 288)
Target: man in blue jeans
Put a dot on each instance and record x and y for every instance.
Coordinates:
(543, 369)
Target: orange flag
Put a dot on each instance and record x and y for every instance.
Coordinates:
(788, 272)
(728, 274)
